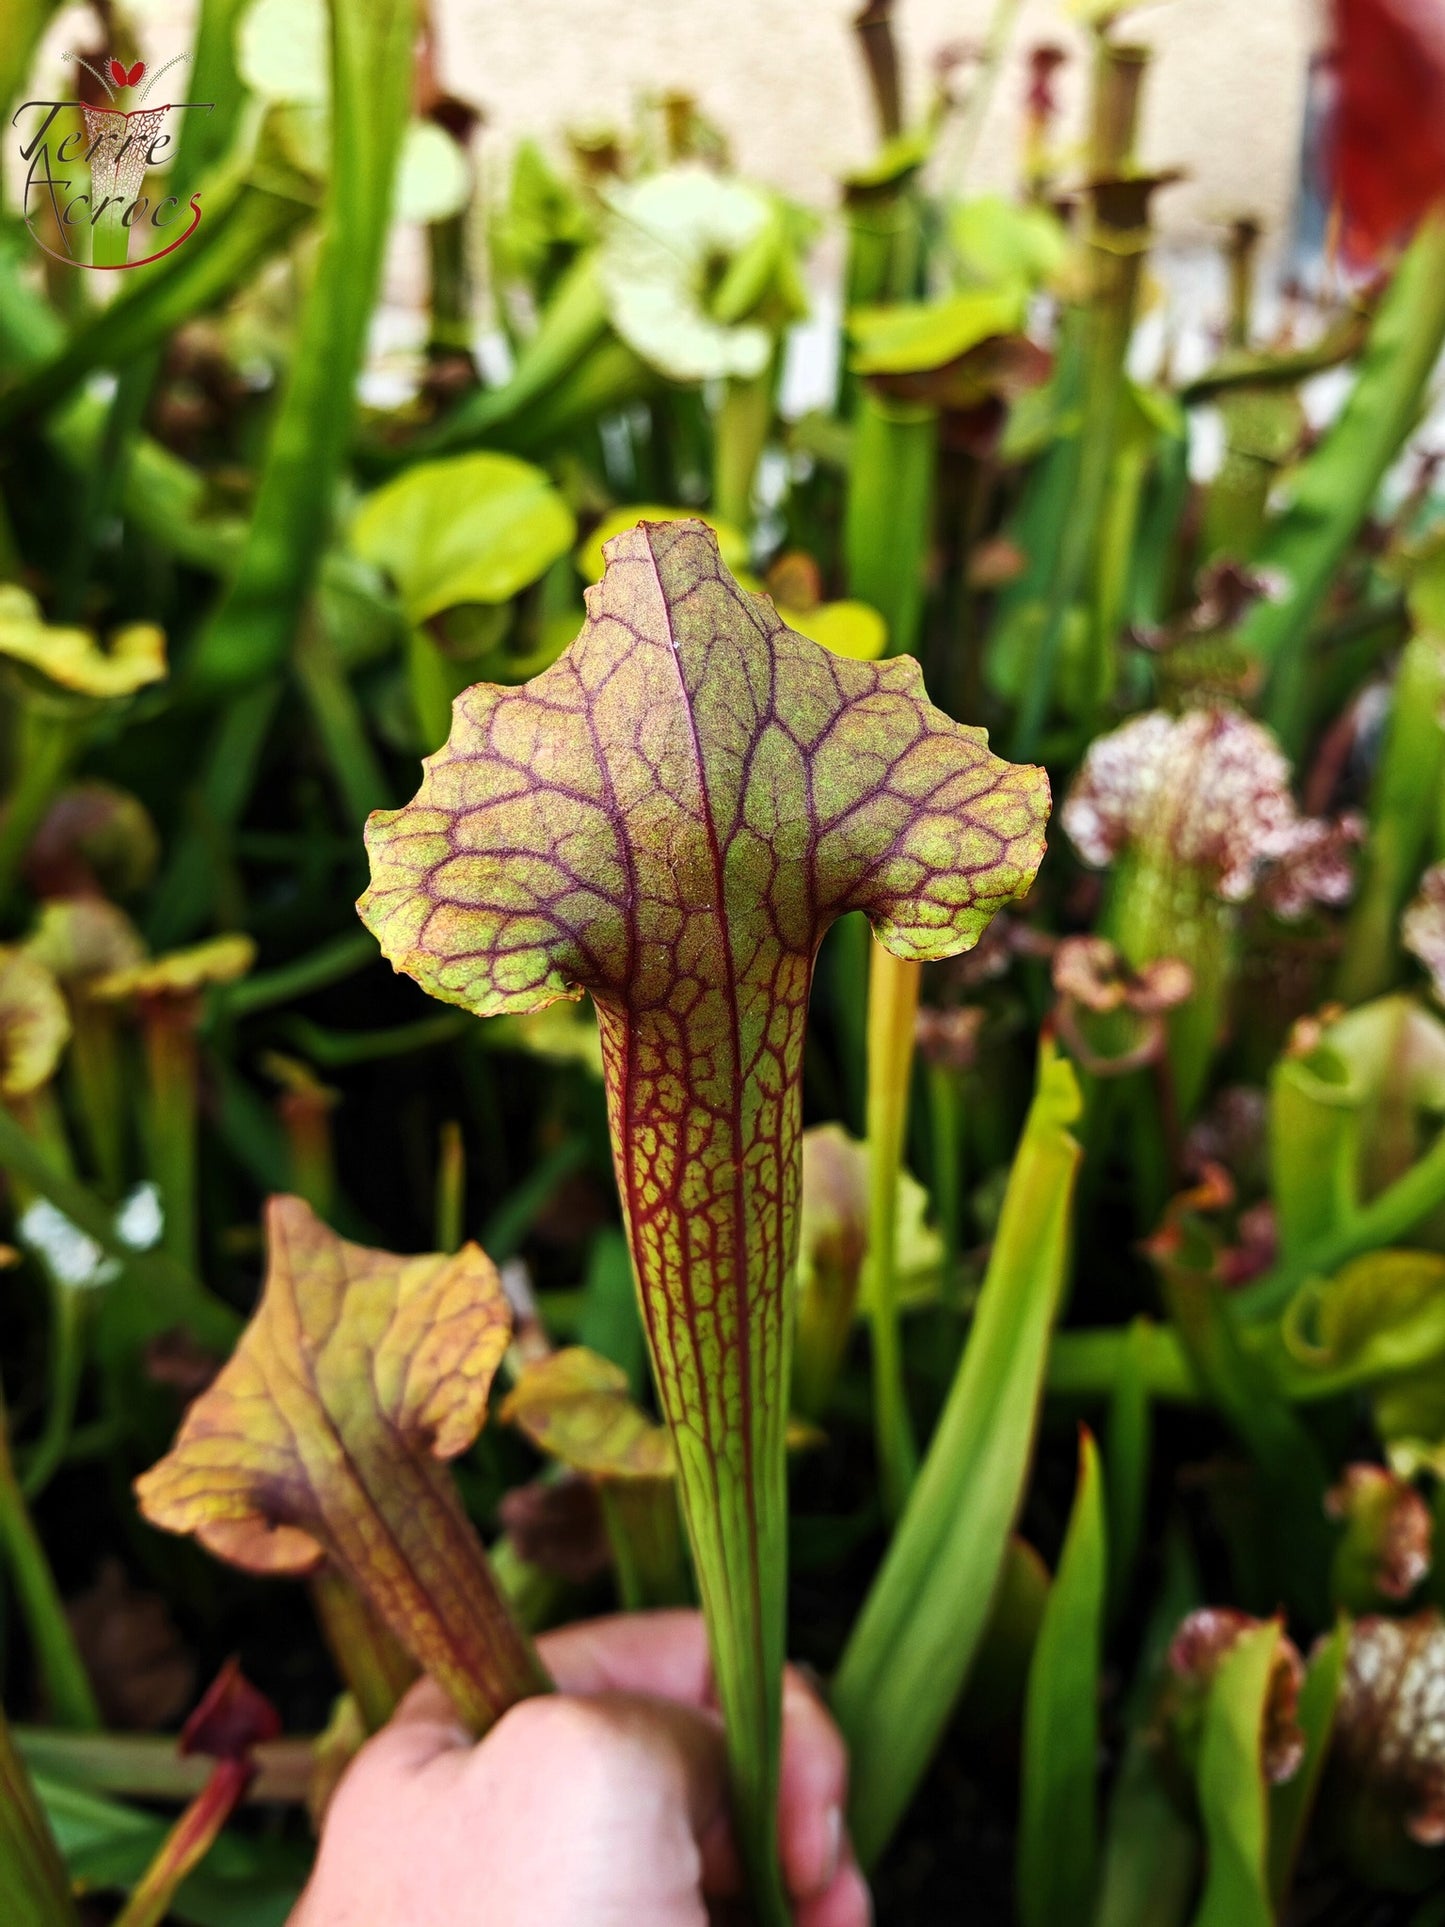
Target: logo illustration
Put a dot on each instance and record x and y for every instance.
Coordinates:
(86, 162)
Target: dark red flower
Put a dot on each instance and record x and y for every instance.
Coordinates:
(1389, 133)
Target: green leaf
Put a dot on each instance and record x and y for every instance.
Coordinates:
(321, 1437)
(910, 339)
(1292, 1802)
(243, 1883)
(1346, 1117)
(1380, 1325)
(281, 50)
(670, 817)
(471, 528)
(227, 249)
(1288, 1462)
(919, 1628)
(1335, 486)
(1002, 241)
(71, 659)
(256, 626)
(1404, 808)
(1058, 1844)
(34, 1891)
(1233, 1793)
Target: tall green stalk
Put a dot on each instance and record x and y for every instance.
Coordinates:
(1337, 483)
(63, 1677)
(920, 1627)
(709, 850)
(255, 628)
(34, 1889)
(888, 521)
(892, 1017)
(1404, 820)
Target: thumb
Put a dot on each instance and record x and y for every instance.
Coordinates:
(664, 1768)
(681, 1750)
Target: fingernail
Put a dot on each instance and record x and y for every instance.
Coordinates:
(833, 1829)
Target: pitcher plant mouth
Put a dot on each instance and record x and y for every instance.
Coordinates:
(670, 818)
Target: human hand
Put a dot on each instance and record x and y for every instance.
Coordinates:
(602, 1805)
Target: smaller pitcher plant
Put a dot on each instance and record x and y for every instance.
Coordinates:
(670, 818)
(321, 1438)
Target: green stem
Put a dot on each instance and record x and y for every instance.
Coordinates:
(892, 1015)
(945, 1113)
(340, 723)
(1091, 1364)
(57, 1658)
(888, 520)
(1404, 803)
(985, 81)
(47, 743)
(926, 1612)
(34, 1887)
(644, 1527)
(185, 1845)
(740, 433)
(95, 1068)
(65, 1365)
(376, 1669)
(1336, 484)
(1158, 908)
(340, 958)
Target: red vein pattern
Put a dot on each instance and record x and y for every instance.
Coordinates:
(669, 818)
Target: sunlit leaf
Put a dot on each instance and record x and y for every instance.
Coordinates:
(469, 528)
(180, 973)
(591, 559)
(1001, 241)
(432, 178)
(321, 1438)
(853, 629)
(281, 50)
(669, 818)
(71, 658)
(910, 338)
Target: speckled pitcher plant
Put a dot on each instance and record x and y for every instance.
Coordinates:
(669, 818)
